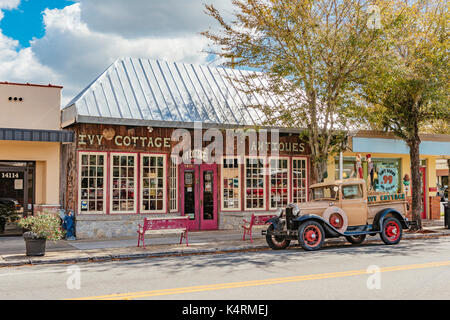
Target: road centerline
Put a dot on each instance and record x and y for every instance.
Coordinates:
(261, 282)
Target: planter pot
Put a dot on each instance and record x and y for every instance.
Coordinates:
(35, 247)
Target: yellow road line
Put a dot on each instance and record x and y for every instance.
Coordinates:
(251, 283)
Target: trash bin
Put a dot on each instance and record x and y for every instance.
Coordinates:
(447, 215)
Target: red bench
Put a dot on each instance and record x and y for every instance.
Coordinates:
(163, 226)
(257, 219)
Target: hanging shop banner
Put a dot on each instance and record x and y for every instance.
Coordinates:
(387, 179)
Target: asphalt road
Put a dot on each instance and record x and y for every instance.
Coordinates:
(413, 269)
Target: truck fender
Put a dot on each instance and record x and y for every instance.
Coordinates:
(329, 229)
(273, 221)
(388, 212)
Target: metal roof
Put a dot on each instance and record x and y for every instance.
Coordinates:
(135, 91)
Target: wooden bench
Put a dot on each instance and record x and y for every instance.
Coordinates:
(257, 219)
(164, 225)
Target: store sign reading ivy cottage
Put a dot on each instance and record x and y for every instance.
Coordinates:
(127, 141)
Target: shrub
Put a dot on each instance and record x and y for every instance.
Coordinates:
(42, 227)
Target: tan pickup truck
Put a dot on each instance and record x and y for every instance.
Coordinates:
(339, 208)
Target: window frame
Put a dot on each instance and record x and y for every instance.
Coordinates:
(111, 178)
(105, 181)
(288, 188)
(170, 167)
(222, 187)
(306, 159)
(264, 168)
(164, 187)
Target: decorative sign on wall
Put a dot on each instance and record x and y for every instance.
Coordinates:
(387, 179)
(386, 197)
(18, 184)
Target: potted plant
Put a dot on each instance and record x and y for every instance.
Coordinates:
(40, 229)
(7, 214)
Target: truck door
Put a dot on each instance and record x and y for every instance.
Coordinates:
(354, 204)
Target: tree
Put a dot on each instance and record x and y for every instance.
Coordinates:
(409, 87)
(309, 53)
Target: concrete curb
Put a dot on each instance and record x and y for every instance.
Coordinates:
(102, 257)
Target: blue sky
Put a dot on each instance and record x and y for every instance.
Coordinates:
(70, 42)
(26, 21)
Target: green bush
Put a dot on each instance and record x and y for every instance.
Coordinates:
(42, 227)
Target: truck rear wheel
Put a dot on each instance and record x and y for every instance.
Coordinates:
(392, 231)
(276, 242)
(311, 235)
(356, 239)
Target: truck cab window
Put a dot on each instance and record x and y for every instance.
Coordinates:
(352, 192)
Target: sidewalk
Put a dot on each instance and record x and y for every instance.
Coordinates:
(12, 249)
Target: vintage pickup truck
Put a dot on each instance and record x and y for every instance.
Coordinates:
(339, 208)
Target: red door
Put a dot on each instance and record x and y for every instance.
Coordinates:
(423, 186)
(199, 195)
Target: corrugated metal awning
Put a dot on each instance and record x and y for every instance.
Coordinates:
(146, 91)
(63, 136)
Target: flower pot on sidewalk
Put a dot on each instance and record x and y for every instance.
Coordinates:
(34, 246)
(40, 229)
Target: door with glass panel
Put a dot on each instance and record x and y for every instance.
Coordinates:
(208, 197)
(199, 195)
(16, 193)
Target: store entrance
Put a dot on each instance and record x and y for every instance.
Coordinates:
(16, 193)
(199, 195)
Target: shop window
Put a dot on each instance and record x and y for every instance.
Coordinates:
(386, 175)
(254, 183)
(92, 177)
(153, 183)
(231, 180)
(173, 184)
(123, 183)
(279, 182)
(349, 169)
(299, 180)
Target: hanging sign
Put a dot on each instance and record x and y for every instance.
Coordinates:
(387, 179)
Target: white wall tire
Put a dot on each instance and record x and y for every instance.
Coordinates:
(336, 217)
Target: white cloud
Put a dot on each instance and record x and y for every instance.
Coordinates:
(9, 4)
(19, 65)
(155, 18)
(83, 39)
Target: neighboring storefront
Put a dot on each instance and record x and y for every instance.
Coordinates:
(120, 168)
(384, 161)
(30, 142)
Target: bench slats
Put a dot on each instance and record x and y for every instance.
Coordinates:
(163, 225)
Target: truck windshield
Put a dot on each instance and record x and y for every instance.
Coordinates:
(323, 193)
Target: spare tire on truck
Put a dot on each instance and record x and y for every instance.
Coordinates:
(336, 217)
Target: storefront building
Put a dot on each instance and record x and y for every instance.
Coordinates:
(153, 139)
(30, 143)
(384, 161)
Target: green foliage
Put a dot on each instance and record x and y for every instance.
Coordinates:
(43, 227)
(310, 53)
(409, 87)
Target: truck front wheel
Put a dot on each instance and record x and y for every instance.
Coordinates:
(276, 242)
(311, 235)
(392, 231)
